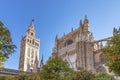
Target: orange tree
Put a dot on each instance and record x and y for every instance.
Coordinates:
(112, 53)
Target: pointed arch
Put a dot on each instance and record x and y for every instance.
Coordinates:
(68, 42)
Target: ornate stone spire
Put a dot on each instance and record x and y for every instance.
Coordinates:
(41, 63)
(64, 34)
(56, 38)
(86, 24)
(115, 31)
(80, 23)
(91, 34)
(31, 26)
(81, 26)
(35, 64)
(72, 29)
(31, 30)
(86, 21)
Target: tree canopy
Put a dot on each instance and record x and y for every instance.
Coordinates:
(82, 74)
(6, 45)
(112, 53)
(56, 69)
(103, 76)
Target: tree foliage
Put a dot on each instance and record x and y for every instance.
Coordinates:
(103, 76)
(6, 45)
(56, 69)
(8, 78)
(112, 53)
(82, 74)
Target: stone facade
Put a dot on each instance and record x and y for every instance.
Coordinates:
(29, 51)
(78, 48)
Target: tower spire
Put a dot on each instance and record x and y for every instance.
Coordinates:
(31, 26)
(31, 30)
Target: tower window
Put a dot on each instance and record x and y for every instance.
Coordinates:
(28, 40)
(31, 34)
(33, 42)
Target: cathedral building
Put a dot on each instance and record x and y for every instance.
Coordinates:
(79, 48)
(29, 51)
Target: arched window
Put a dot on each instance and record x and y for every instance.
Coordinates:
(30, 41)
(27, 40)
(33, 42)
(69, 42)
(31, 34)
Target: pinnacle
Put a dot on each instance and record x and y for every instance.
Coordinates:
(31, 24)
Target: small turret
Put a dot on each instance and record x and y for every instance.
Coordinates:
(41, 63)
(56, 41)
(81, 26)
(115, 31)
(91, 34)
(86, 24)
(81, 23)
(72, 29)
(35, 64)
(86, 20)
(56, 38)
(64, 34)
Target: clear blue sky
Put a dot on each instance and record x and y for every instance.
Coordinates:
(56, 17)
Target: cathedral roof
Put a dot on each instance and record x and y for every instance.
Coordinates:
(81, 28)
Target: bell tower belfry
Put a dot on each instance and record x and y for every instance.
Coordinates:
(29, 51)
(31, 30)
